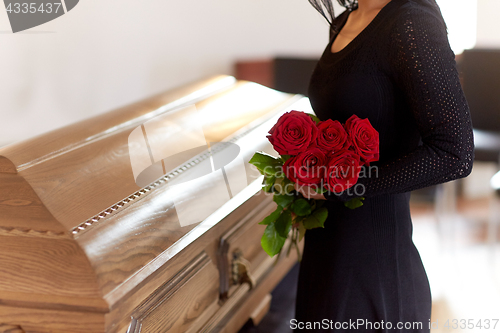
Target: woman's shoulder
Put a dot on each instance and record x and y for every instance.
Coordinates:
(417, 28)
(411, 12)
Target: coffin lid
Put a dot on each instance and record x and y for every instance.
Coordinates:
(81, 170)
(70, 198)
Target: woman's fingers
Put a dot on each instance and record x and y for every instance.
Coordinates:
(308, 192)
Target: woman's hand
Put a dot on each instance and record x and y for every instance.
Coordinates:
(308, 192)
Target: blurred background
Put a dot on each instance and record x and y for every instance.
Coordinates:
(106, 54)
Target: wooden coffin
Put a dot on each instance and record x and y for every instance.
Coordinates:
(91, 234)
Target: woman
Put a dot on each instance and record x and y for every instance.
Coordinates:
(390, 62)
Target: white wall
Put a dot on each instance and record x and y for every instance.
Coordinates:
(488, 25)
(472, 23)
(104, 54)
(461, 20)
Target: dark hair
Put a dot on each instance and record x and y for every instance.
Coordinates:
(325, 7)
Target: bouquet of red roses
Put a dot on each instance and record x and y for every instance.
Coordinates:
(319, 155)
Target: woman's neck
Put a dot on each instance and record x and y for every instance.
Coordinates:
(365, 6)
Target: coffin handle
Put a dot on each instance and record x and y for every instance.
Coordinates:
(240, 269)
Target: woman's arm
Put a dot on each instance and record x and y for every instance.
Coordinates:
(425, 70)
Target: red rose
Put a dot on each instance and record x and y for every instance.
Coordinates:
(342, 171)
(307, 168)
(294, 132)
(332, 136)
(364, 138)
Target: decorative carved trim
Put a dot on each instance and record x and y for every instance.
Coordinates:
(9, 231)
(118, 206)
(166, 291)
(6, 328)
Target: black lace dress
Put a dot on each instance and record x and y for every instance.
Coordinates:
(363, 267)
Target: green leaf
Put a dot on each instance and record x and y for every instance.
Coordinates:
(298, 219)
(354, 203)
(287, 186)
(301, 207)
(320, 190)
(316, 204)
(283, 200)
(267, 164)
(316, 219)
(271, 241)
(283, 224)
(313, 204)
(290, 246)
(285, 158)
(316, 119)
(268, 183)
(272, 217)
(279, 180)
(302, 231)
